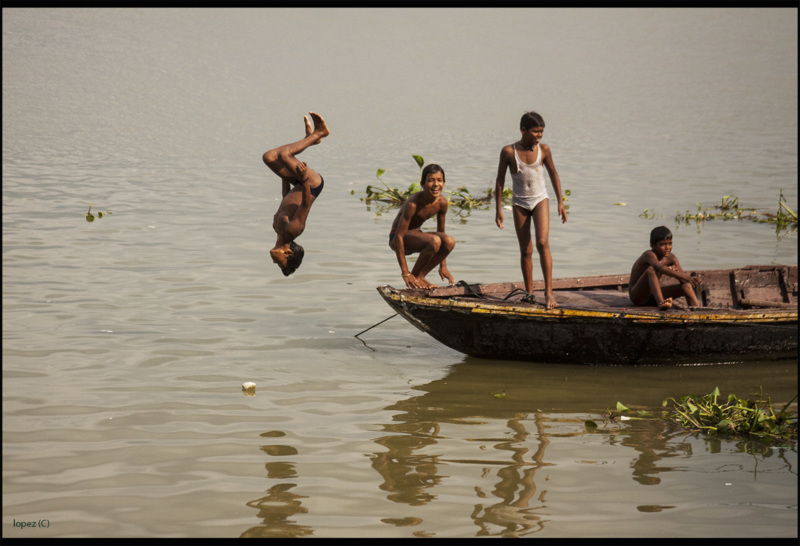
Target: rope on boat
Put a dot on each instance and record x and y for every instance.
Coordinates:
(517, 291)
(374, 325)
(468, 288)
(527, 298)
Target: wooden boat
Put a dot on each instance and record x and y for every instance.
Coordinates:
(748, 313)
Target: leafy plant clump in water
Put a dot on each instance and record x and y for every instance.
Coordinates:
(729, 209)
(460, 199)
(736, 417)
(621, 413)
(393, 195)
(90, 216)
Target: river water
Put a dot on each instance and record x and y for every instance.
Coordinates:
(126, 340)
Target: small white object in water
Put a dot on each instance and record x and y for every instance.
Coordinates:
(249, 388)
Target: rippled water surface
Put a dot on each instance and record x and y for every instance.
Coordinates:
(126, 340)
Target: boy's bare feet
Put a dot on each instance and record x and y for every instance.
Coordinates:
(664, 305)
(423, 283)
(320, 127)
(551, 302)
(308, 126)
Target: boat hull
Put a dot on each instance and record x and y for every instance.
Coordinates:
(613, 336)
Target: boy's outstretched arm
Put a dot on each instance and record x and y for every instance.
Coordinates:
(444, 273)
(499, 184)
(547, 159)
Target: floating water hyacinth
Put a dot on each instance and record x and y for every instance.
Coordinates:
(708, 414)
(729, 209)
(90, 217)
(460, 200)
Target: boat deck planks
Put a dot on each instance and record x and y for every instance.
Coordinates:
(740, 289)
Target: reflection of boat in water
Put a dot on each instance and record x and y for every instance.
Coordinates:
(500, 451)
(749, 313)
(508, 437)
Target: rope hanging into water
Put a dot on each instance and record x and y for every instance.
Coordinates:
(374, 325)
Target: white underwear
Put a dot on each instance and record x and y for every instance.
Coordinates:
(528, 203)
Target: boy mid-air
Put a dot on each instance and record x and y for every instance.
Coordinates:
(301, 186)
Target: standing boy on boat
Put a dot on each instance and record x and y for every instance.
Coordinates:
(407, 238)
(644, 286)
(524, 160)
(301, 186)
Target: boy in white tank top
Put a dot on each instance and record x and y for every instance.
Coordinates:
(524, 159)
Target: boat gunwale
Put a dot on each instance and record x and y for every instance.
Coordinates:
(705, 315)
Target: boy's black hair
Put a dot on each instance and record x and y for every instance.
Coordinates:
(531, 119)
(429, 169)
(660, 234)
(293, 261)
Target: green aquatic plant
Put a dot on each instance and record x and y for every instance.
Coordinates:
(621, 413)
(90, 216)
(732, 418)
(460, 200)
(389, 194)
(647, 214)
(785, 219)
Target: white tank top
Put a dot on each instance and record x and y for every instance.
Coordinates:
(529, 179)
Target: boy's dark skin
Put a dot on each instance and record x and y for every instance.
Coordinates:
(433, 247)
(540, 216)
(645, 281)
(290, 219)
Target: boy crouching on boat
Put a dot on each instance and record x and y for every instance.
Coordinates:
(644, 286)
(406, 236)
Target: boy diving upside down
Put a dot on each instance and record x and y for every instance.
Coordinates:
(301, 187)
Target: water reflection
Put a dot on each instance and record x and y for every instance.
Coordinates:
(407, 475)
(280, 505)
(428, 445)
(483, 443)
(417, 458)
(516, 486)
(410, 472)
